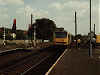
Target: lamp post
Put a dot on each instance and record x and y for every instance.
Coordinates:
(75, 29)
(94, 28)
(90, 47)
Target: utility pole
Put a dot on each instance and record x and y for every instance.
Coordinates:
(75, 29)
(31, 30)
(90, 48)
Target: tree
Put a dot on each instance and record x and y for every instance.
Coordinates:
(79, 36)
(9, 37)
(1, 34)
(20, 35)
(44, 28)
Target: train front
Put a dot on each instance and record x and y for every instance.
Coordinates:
(60, 38)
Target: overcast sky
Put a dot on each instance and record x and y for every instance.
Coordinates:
(60, 11)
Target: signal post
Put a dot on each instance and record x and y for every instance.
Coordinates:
(14, 29)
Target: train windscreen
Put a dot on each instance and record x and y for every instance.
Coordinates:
(60, 34)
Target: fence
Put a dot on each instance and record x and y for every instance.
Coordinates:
(19, 41)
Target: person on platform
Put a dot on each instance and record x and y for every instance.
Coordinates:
(93, 42)
(78, 41)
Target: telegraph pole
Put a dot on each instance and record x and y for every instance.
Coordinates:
(90, 48)
(75, 29)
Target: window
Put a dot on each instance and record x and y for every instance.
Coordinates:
(60, 34)
(57, 35)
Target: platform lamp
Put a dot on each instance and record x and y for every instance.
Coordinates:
(90, 46)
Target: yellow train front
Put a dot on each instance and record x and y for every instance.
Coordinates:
(98, 40)
(62, 38)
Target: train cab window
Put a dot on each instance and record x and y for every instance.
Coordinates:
(60, 35)
(57, 35)
(64, 35)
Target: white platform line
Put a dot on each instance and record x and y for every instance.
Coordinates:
(55, 63)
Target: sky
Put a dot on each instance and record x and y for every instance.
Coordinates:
(62, 12)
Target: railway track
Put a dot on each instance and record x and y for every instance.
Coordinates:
(84, 46)
(35, 63)
(10, 58)
(29, 71)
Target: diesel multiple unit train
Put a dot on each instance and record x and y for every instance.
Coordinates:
(62, 37)
(98, 40)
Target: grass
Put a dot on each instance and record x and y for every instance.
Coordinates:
(12, 45)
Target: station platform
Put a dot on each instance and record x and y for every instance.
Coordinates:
(77, 62)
